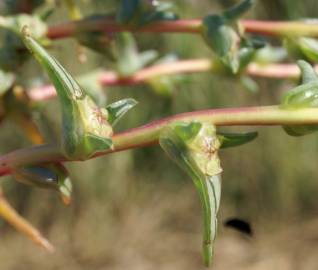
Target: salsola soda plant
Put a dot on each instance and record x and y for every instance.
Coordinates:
(192, 140)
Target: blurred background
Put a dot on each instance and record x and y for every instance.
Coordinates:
(136, 209)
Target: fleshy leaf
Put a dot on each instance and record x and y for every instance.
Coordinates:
(138, 13)
(117, 109)
(235, 139)
(224, 40)
(6, 81)
(303, 96)
(302, 48)
(12, 52)
(50, 176)
(37, 27)
(85, 127)
(235, 12)
(128, 59)
(164, 85)
(193, 146)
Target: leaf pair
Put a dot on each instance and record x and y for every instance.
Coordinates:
(194, 147)
(139, 13)
(303, 96)
(86, 129)
(219, 34)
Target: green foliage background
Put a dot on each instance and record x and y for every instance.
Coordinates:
(136, 209)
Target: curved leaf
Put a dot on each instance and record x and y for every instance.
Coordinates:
(85, 127)
(118, 109)
(193, 146)
(303, 96)
(235, 139)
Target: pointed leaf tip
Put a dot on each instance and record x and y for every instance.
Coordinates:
(119, 108)
(236, 139)
(308, 73)
(235, 12)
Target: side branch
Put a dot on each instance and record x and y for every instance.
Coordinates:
(148, 134)
(111, 78)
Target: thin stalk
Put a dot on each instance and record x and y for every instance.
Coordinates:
(8, 213)
(149, 133)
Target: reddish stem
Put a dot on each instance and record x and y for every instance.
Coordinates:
(110, 78)
(272, 28)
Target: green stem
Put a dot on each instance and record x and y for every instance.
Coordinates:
(148, 134)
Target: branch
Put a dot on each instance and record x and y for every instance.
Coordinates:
(111, 78)
(277, 28)
(148, 134)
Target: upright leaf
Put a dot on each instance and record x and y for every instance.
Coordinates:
(85, 126)
(219, 34)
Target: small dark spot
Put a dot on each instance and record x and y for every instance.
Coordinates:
(239, 225)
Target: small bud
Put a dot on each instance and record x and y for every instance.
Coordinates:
(303, 96)
(194, 147)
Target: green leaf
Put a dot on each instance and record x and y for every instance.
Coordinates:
(49, 176)
(249, 84)
(303, 96)
(139, 13)
(235, 12)
(85, 127)
(164, 85)
(118, 109)
(235, 139)
(38, 28)
(302, 48)
(269, 54)
(220, 36)
(128, 59)
(222, 39)
(6, 81)
(193, 146)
